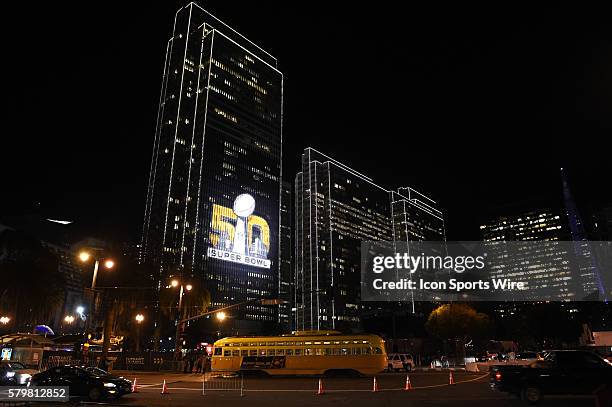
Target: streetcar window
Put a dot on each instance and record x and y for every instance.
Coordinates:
(378, 351)
(280, 352)
(280, 343)
(253, 352)
(298, 352)
(328, 351)
(307, 343)
(344, 351)
(298, 344)
(317, 342)
(218, 351)
(336, 342)
(336, 351)
(355, 341)
(319, 351)
(244, 352)
(252, 344)
(308, 352)
(356, 351)
(270, 352)
(235, 353)
(326, 342)
(262, 344)
(262, 352)
(364, 342)
(289, 352)
(346, 341)
(367, 351)
(227, 352)
(290, 343)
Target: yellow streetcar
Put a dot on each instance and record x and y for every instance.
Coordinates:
(302, 353)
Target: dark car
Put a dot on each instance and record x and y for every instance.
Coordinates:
(81, 383)
(14, 373)
(123, 385)
(561, 372)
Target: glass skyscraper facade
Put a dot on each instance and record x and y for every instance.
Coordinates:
(540, 267)
(336, 208)
(213, 199)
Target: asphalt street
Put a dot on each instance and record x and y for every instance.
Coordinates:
(429, 389)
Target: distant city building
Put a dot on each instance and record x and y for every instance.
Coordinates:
(213, 197)
(544, 224)
(544, 269)
(285, 278)
(336, 208)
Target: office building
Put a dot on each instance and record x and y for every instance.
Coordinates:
(336, 209)
(213, 198)
(545, 268)
(285, 275)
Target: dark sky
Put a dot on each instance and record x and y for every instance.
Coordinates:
(475, 106)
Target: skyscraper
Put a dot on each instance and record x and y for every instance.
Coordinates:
(538, 266)
(336, 208)
(285, 279)
(213, 197)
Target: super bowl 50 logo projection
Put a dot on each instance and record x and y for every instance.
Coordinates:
(239, 236)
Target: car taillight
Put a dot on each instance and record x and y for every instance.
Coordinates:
(498, 376)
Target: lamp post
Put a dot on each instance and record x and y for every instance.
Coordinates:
(179, 323)
(139, 319)
(220, 318)
(85, 256)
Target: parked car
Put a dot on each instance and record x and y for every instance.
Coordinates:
(399, 361)
(81, 383)
(561, 372)
(124, 386)
(15, 373)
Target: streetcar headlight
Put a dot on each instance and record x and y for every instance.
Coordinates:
(24, 378)
(10, 374)
(110, 385)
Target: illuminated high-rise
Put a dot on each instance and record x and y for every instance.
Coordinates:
(336, 209)
(213, 198)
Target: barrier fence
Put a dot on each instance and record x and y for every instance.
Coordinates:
(212, 382)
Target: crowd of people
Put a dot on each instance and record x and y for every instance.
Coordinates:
(199, 361)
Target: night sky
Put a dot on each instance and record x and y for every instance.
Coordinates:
(475, 106)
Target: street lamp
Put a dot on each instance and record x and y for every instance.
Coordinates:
(139, 319)
(179, 325)
(4, 320)
(84, 256)
(69, 319)
(221, 315)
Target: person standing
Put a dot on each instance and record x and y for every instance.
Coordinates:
(199, 364)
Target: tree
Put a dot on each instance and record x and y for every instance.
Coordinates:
(457, 323)
(32, 286)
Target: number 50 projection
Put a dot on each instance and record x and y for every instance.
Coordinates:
(239, 236)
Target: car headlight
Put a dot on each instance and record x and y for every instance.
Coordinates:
(10, 374)
(110, 385)
(24, 378)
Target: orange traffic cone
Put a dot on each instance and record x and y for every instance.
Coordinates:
(408, 384)
(134, 386)
(375, 385)
(451, 379)
(165, 388)
(320, 390)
